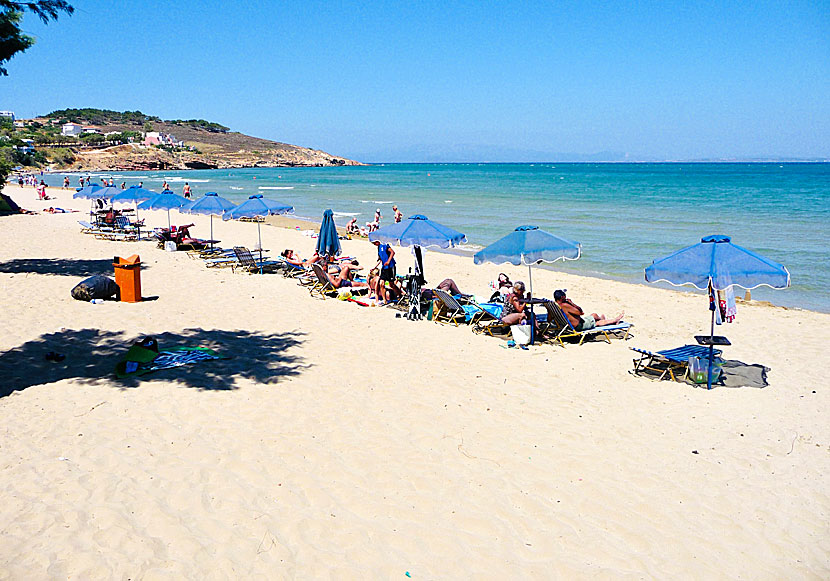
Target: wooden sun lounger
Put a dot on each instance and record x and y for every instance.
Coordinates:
(670, 362)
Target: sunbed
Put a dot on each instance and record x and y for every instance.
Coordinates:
(448, 309)
(670, 362)
(559, 327)
(321, 284)
(247, 263)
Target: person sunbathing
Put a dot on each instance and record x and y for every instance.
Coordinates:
(292, 259)
(343, 279)
(577, 316)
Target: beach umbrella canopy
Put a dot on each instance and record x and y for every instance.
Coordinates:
(109, 192)
(89, 193)
(716, 264)
(133, 195)
(529, 245)
(211, 204)
(328, 242)
(254, 207)
(418, 230)
(163, 201)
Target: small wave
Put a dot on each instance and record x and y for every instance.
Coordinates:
(276, 187)
(181, 179)
(347, 213)
(382, 202)
(448, 201)
(364, 201)
(235, 188)
(470, 246)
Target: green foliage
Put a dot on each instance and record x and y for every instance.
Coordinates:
(92, 138)
(100, 116)
(12, 39)
(61, 156)
(148, 126)
(200, 124)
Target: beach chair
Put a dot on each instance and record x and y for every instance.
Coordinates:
(246, 262)
(87, 228)
(669, 362)
(320, 285)
(448, 309)
(559, 327)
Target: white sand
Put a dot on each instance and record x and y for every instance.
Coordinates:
(356, 445)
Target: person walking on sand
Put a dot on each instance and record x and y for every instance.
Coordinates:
(81, 181)
(577, 316)
(398, 214)
(186, 190)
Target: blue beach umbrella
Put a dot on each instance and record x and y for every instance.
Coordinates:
(716, 264)
(211, 204)
(418, 230)
(133, 195)
(89, 193)
(254, 207)
(109, 192)
(328, 242)
(164, 201)
(529, 245)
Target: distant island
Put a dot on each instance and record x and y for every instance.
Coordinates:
(105, 140)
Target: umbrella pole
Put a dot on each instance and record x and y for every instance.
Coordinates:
(137, 225)
(211, 231)
(711, 337)
(259, 235)
(169, 227)
(532, 314)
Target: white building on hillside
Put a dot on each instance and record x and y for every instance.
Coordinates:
(71, 129)
(7, 114)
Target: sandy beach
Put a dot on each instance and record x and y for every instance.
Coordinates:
(342, 442)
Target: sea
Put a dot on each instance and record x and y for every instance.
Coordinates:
(624, 214)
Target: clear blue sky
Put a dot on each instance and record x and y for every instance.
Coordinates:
(410, 81)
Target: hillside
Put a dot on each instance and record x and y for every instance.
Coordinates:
(206, 145)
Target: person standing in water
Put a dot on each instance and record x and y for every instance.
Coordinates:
(398, 214)
(186, 190)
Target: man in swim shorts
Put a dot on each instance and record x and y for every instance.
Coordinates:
(578, 318)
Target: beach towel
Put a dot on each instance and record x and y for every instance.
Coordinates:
(731, 309)
(736, 373)
(144, 357)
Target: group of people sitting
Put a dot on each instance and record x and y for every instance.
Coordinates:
(516, 313)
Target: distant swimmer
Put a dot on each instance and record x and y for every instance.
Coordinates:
(398, 214)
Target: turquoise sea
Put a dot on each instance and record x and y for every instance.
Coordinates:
(625, 215)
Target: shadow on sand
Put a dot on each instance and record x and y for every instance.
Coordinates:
(59, 266)
(91, 354)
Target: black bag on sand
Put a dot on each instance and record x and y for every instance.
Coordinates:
(95, 287)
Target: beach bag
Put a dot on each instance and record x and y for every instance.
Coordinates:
(521, 334)
(699, 369)
(170, 246)
(95, 287)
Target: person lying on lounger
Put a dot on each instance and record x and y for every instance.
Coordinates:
(343, 279)
(577, 316)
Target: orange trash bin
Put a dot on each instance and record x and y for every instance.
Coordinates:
(128, 278)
